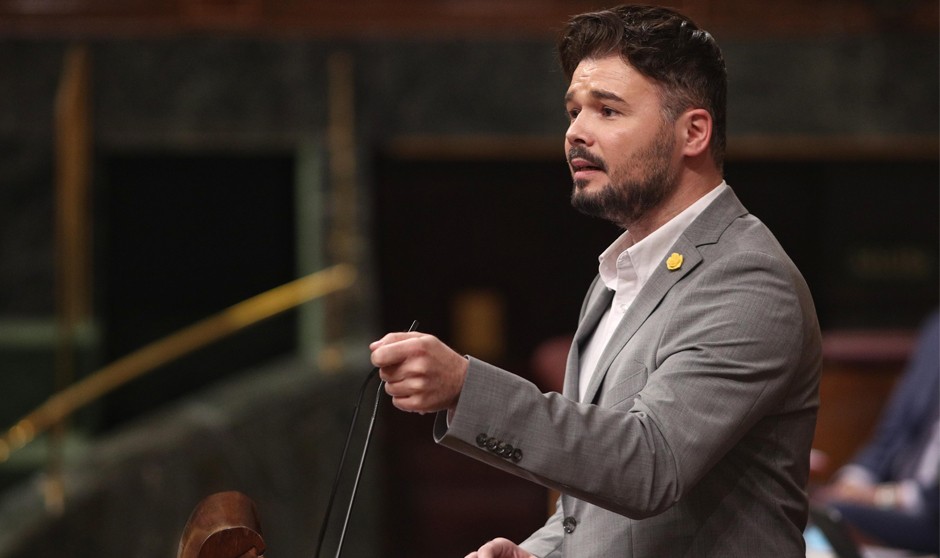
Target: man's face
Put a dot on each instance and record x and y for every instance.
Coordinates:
(621, 152)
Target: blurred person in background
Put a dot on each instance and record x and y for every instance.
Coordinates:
(889, 491)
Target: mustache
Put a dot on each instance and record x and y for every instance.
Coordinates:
(581, 152)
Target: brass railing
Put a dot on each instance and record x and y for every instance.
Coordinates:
(150, 357)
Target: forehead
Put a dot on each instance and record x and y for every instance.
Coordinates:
(611, 74)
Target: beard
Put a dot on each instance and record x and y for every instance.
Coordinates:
(635, 188)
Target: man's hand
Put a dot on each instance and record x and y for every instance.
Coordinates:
(500, 548)
(847, 491)
(421, 373)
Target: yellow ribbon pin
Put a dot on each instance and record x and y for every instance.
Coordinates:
(674, 261)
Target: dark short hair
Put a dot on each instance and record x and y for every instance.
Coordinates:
(663, 45)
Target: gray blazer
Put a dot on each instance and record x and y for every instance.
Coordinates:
(695, 438)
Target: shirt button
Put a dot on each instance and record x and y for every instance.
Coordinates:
(569, 524)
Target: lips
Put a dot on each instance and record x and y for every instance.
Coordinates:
(582, 161)
(579, 165)
(583, 170)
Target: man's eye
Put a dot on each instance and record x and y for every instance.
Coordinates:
(607, 111)
(573, 113)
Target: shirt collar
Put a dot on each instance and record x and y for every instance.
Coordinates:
(646, 254)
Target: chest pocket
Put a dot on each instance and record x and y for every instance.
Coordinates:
(627, 384)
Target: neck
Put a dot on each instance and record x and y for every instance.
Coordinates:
(693, 185)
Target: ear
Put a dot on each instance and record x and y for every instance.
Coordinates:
(696, 131)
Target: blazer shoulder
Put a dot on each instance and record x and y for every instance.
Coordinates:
(710, 226)
(727, 224)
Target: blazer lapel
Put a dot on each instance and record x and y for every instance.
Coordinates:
(598, 302)
(705, 229)
(645, 303)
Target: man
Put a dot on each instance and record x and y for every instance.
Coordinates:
(691, 387)
(890, 491)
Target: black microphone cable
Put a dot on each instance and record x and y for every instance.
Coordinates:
(362, 458)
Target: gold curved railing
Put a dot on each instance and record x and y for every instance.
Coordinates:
(150, 357)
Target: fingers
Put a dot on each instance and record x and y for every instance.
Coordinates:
(392, 337)
(392, 348)
(422, 374)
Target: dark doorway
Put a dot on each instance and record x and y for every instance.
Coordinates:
(182, 236)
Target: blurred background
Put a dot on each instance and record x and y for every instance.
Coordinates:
(163, 160)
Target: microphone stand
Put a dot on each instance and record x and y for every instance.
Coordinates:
(362, 459)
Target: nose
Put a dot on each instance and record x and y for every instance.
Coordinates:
(577, 134)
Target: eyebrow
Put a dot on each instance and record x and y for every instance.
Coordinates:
(600, 94)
